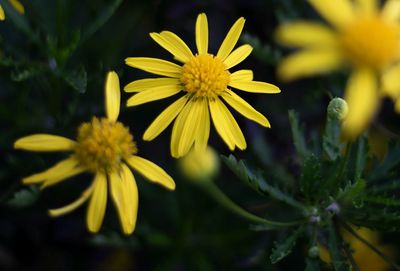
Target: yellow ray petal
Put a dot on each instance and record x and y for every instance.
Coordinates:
(153, 94)
(255, 87)
(151, 171)
(362, 99)
(125, 195)
(61, 170)
(164, 119)
(178, 42)
(202, 34)
(113, 96)
(74, 205)
(155, 65)
(145, 84)
(2, 15)
(189, 129)
(391, 82)
(177, 128)
(309, 62)
(231, 39)
(226, 125)
(17, 6)
(244, 108)
(171, 47)
(367, 7)
(338, 12)
(242, 75)
(97, 204)
(306, 34)
(44, 142)
(238, 55)
(203, 128)
(391, 11)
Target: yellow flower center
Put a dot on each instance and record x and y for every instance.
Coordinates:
(102, 144)
(205, 76)
(370, 41)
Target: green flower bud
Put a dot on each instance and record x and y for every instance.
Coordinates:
(337, 109)
(200, 165)
(313, 252)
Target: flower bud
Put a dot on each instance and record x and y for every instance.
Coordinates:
(313, 252)
(200, 165)
(337, 109)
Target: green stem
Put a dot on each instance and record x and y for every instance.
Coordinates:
(226, 202)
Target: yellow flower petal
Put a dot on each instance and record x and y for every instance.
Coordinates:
(145, 84)
(178, 43)
(155, 65)
(367, 7)
(231, 39)
(362, 98)
(171, 47)
(391, 11)
(255, 86)
(203, 127)
(2, 15)
(124, 193)
(74, 205)
(113, 96)
(391, 82)
(306, 34)
(189, 129)
(309, 62)
(177, 128)
(238, 55)
(338, 12)
(17, 6)
(226, 125)
(164, 119)
(242, 75)
(151, 171)
(97, 204)
(153, 94)
(244, 108)
(202, 34)
(59, 171)
(44, 142)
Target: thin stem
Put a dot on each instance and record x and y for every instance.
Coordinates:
(222, 199)
(370, 246)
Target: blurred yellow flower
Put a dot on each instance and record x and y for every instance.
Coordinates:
(105, 148)
(16, 5)
(204, 79)
(200, 165)
(361, 35)
(365, 258)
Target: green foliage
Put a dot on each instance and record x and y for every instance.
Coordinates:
(281, 250)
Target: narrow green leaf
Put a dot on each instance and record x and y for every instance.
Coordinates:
(335, 244)
(24, 198)
(298, 134)
(392, 159)
(331, 139)
(281, 250)
(311, 176)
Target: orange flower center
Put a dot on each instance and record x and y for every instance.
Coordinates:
(370, 41)
(205, 76)
(102, 144)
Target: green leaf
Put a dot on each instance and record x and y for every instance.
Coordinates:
(335, 244)
(24, 198)
(258, 183)
(383, 200)
(298, 134)
(392, 160)
(352, 193)
(263, 52)
(77, 79)
(281, 250)
(331, 139)
(311, 176)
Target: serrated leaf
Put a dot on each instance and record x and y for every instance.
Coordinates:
(352, 193)
(298, 134)
(24, 198)
(311, 176)
(281, 250)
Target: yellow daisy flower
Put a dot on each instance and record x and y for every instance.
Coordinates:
(105, 148)
(16, 5)
(361, 35)
(204, 79)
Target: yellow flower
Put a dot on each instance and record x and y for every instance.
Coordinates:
(105, 148)
(365, 258)
(16, 5)
(204, 79)
(362, 36)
